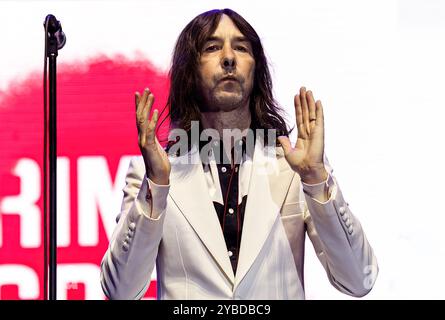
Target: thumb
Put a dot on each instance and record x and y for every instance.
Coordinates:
(285, 143)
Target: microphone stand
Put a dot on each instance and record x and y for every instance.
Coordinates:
(53, 44)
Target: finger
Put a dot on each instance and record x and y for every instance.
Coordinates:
(140, 104)
(285, 143)
(143, 101)
(298, 114)
(311, 107)
(145, 96)
(137, 97)
(151, 132)
(148, 103)
(139, 119)
(146, 111)
(142, 115)
(304, 110)
(144, 106)
(319, 111)
(154, 118)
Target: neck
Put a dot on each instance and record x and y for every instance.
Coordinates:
(236, 119)
(239, 118)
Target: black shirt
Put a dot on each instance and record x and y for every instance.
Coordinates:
(231, 212)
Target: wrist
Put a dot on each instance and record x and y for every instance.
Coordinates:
(314, 176)
(157, 179)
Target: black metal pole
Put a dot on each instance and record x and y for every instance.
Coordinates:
(52, 177)
(55, 40)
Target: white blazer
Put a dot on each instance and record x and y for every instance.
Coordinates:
(187, 244)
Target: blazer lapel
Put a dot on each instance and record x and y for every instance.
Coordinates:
(188, 189)
(269, 182)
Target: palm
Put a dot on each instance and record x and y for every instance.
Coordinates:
(156, 161)
(307, 154)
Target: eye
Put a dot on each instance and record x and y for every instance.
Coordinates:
(211, 48)
(241, 48)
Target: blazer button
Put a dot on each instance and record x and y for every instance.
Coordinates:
(350, 230)
(342, 210)
(125, 246)
(132, 226)
(348, 222)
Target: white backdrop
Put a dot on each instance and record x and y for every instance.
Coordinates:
(378, 68)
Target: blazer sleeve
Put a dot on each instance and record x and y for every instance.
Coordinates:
(129, 261)
(340, 242)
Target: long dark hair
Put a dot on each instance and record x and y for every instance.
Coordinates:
(184, 78)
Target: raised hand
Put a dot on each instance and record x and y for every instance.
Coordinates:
(157, 165)
(306, 157)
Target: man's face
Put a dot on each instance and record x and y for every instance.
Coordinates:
(226, 68)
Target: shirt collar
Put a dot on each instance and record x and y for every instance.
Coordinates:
(214, 148)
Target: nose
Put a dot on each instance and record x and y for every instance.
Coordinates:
(228, 61)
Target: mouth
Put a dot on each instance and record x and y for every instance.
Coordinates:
(228, 78)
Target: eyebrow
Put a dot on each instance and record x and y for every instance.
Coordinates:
(238, 39)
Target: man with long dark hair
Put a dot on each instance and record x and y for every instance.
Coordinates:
(224, 216)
